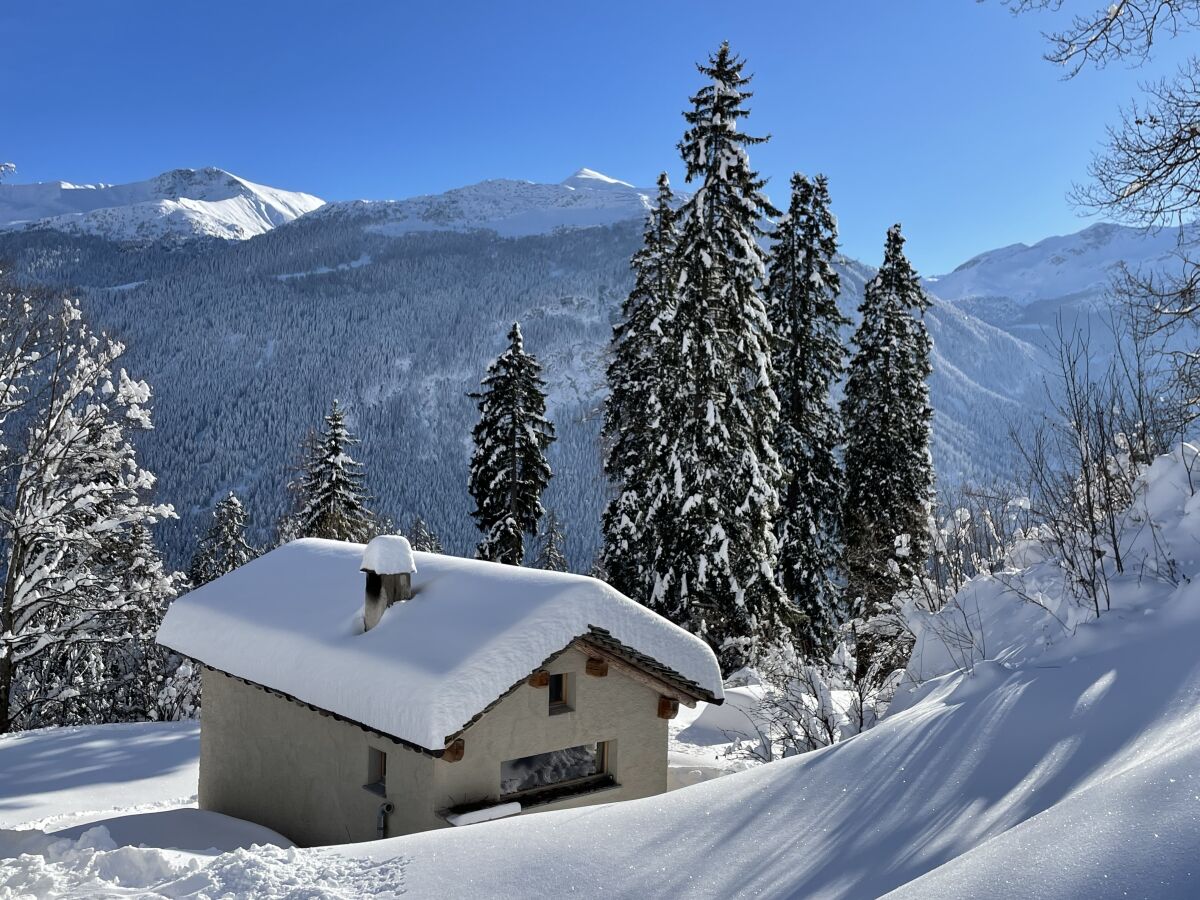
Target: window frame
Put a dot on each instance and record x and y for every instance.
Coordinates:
(376, 771)
(563, 705)
(602, 778)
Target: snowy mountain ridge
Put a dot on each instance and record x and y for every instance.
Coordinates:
(510, 207)
(1062, 267)
(177, 205)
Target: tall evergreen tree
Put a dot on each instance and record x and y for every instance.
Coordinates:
(509, 470)
(423, 538)
(713, 522)
(889, 471)
(329, 500)
(633, 411)
(223, 546)
(551, 555)
(809, 359)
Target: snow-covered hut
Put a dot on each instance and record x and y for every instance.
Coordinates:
(351, 693)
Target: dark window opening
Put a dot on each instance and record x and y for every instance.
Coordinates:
(376, 772)
(559, 697)
(573, 766)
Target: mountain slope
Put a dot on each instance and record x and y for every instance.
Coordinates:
(1030, 291)
(181, 204)
(396, 311)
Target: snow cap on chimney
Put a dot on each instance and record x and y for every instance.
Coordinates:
(389, 554)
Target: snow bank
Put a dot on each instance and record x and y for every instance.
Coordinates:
(292, 620)
(192, 830)
(1017, 614)
(35, 865)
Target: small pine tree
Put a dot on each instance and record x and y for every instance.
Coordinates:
(423, 538)
(712, 521)
(551, 555)
(137, 668)
(509, 470)
(632, 412)
(889, 471)
(329, 498)
(223, 546)
(809, 359)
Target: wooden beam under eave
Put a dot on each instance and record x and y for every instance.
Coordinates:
(655, 684)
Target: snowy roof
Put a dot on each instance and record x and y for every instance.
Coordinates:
(388, 554)
(292, 621)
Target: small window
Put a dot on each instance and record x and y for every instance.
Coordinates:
(579, 766)
(376, 772)
(560, 699)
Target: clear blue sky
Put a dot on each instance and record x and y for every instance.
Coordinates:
(937, 113)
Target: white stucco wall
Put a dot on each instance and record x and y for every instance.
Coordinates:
(268, 760)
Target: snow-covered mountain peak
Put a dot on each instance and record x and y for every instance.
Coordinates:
(1059, 267)
(590, 179)
(509, 207)
(176, 205)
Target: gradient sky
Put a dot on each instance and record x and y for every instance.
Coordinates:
(940, 114)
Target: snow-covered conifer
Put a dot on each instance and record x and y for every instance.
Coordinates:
(329, 498)
(632, 412)
(136, 668)
(713, 520)
(422, 538)
(223, 547)
(509, 470)
(888, 467)
(550, 555)
(809, 358)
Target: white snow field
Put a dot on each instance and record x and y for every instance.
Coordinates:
(1064, 761)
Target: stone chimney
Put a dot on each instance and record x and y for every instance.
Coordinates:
(389, 564)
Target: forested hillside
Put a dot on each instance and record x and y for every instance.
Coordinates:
(246, 343)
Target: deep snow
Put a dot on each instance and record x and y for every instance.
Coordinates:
(1060, 764)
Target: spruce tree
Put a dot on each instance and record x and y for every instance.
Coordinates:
(137, 668)
(423, 538)
(632, 412)
(509, 470)
(809, 359)
(223, 546)
(713, 520)
(329, 500)
(551, 555)
(889, 472)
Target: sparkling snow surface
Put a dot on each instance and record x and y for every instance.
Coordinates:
(292, 620)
